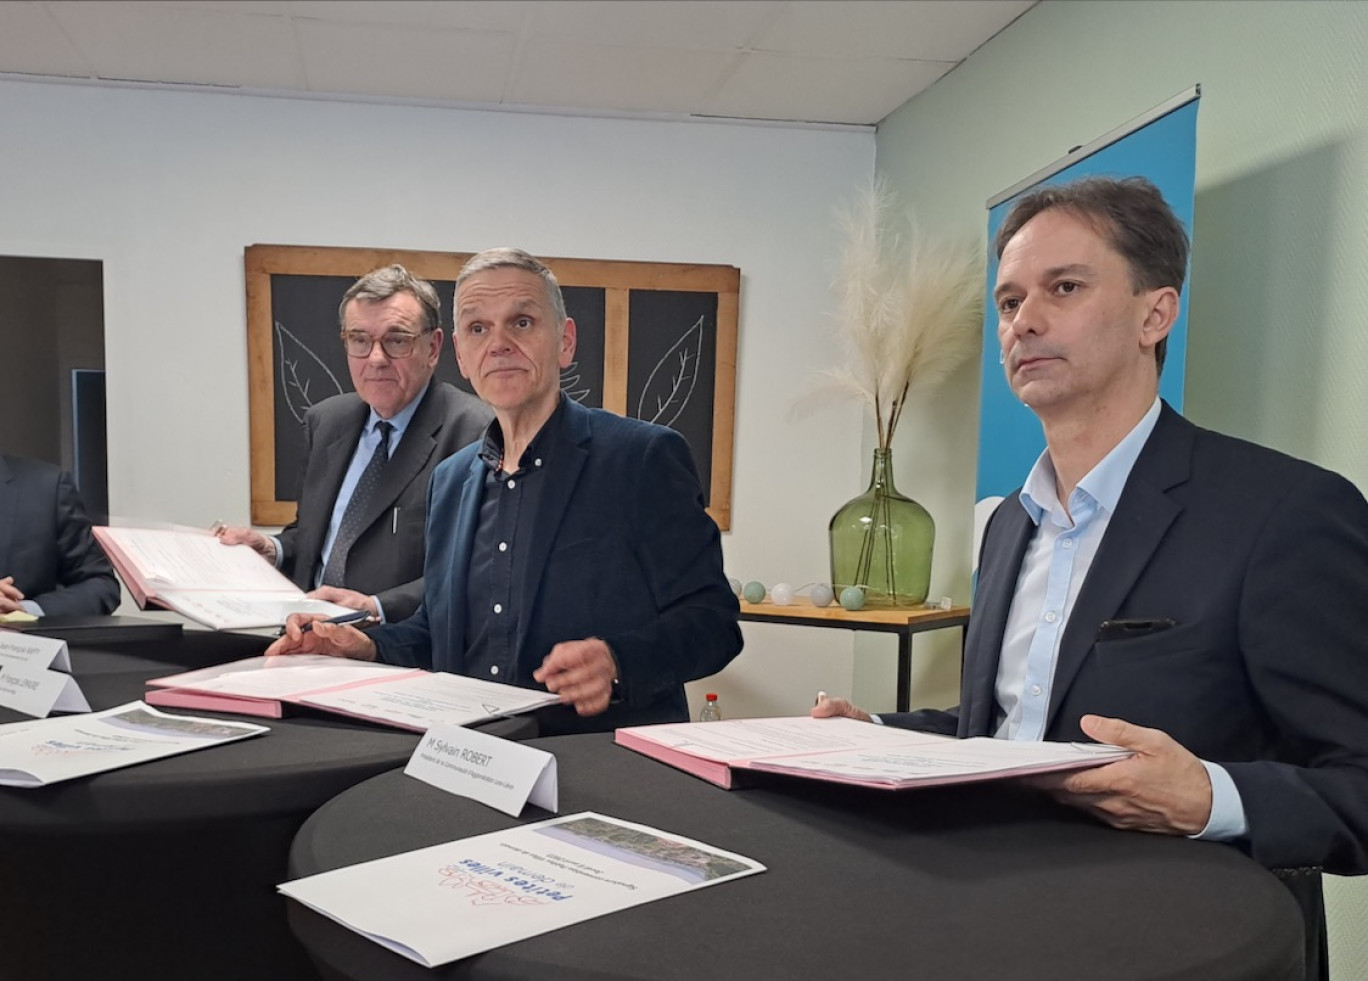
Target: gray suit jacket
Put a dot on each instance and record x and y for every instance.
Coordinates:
(46, 544)
(387, 559)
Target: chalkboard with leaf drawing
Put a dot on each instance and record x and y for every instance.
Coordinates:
(656, 341)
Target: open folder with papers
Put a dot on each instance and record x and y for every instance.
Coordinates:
(847, 751)
(224, 587)
(407, 698)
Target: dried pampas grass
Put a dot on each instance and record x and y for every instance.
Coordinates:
(910, 309)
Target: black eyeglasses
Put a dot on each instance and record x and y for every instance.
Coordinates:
(395, 344)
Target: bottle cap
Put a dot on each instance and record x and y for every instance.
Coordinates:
(711, 696)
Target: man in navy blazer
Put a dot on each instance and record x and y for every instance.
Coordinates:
(1195, 598)
(50, 563)
(569, 548)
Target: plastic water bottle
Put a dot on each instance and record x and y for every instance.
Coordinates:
(710, 713)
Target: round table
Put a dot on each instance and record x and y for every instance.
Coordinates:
(168, 869)
(991, 881)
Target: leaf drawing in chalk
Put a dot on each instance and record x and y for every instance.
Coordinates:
(304, 378)
(673, 378)
(569, 378)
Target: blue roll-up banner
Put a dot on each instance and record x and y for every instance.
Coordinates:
(1160, 145)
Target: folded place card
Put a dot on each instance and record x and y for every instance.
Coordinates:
(34, 651)
(502, 774)
(38, 691)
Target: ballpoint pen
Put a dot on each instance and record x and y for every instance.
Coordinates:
(356, 618)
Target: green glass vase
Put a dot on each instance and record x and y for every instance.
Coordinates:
(881, 541)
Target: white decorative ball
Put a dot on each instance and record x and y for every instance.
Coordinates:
(735, 585)
(822, 595)
(781, 594)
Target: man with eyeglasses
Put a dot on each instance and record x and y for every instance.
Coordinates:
(357, 538)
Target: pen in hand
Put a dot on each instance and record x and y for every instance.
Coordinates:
(357, 618)
(820, 695)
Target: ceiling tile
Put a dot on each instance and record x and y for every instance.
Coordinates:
(31, 41)
(164, 43)
(822, 90)
(502, 15)
(718, 24)
(933, 30)
(620, 79)
(458, 66)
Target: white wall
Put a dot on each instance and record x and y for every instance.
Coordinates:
(167, 187)
(1280, 260)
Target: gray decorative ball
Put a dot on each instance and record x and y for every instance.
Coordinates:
(781, 594)
(822, 595)
(852, 598)
(735, 585)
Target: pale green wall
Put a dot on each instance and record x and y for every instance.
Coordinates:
(1279, 303)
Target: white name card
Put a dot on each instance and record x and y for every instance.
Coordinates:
(34, 651)
(502, 774)
(38, 691)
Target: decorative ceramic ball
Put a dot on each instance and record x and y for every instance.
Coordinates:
(754, 592)
(735, 585)
(781, 594)
(822, 595)
(852, 598)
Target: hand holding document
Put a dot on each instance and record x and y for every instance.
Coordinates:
(842, 750)
(225, 587)
(440, 904)
(35, 754)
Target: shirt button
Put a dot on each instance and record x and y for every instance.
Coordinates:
(1035, 689)
(1051, 617)
(494, 670)
(503, 546)
(498, 607)
(1067, 543)
(536, 462)
(511, 483)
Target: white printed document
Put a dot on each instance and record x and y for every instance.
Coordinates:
(407, 698)
(224, 587)
(847, 751)
(35, 754)
(440, 904)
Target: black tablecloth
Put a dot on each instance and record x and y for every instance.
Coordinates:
(984, 883)
(168, 869)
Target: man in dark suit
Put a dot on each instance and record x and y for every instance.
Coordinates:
(1191, 597)
(50, 563)
(570, 547)
(365, 549)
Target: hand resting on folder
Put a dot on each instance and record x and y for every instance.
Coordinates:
(335, 639)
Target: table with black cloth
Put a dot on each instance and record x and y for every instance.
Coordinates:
(168, 869)
(985, 882)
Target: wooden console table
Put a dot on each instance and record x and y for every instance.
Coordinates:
(903, 621)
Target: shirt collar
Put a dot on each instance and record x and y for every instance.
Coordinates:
(1102, 484)
(400, 420)
(492, 446)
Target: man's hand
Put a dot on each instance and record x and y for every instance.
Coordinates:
(1162, 788)
(256, 541)
(581, 672)
(832, 708)
(10, 595)
(335, 639)
(349, 598)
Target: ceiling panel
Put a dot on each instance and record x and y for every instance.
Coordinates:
(456, 66)
(776, 86)
(620, 79)
(935, 30)
(502, 15)
(167, 43)
(31, 41)
(713, 24)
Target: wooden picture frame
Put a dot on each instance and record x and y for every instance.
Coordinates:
(629, 313)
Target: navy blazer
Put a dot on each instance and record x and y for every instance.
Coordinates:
(386, 560)
(622, 550)
(1262, 560)
(46, 543)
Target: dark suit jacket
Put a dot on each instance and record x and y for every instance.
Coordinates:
(387, 559)
(623, 551)
(1263, 562)
(46, 544)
